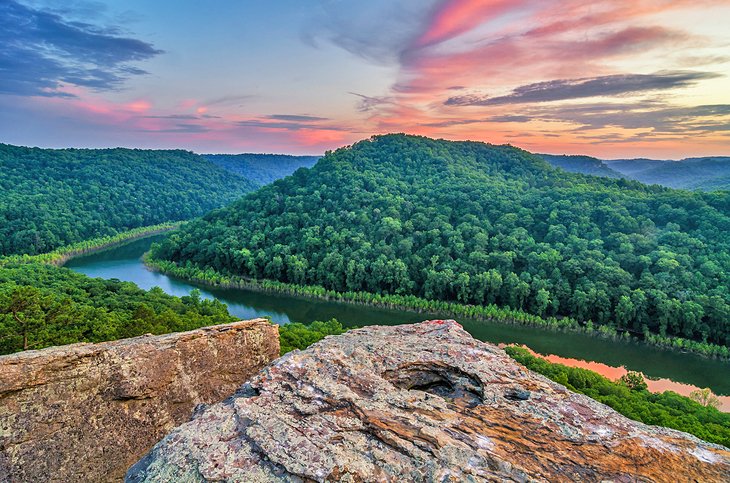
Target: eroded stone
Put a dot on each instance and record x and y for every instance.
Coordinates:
(422, 402)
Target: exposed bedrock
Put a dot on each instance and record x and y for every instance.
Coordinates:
(86, 412)
(422, 402)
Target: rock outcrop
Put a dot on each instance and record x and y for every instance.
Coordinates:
(86, 412)
(422, 402)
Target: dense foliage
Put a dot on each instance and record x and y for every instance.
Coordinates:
(581, 164)
(54, 197)
(42, 305)
(630, 398)
(489, 313)
(480, 224)
(300, 336)
(61, 255)
(261, 169)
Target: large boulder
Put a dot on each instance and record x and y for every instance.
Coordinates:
(86, 412)
(423, 402)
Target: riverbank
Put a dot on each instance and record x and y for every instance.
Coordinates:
(62, 255)
(488, 313)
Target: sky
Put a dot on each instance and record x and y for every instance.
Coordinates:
(613, 79)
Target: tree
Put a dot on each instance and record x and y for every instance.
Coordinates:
(705, 397)
(27, 313)
(634, 381)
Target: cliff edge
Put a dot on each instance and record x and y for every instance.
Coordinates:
(86, 412)
(422, 402)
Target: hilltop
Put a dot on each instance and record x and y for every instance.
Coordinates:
(581, 164)
(704, 173)
(480, 224)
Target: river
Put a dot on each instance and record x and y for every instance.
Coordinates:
(665, 370)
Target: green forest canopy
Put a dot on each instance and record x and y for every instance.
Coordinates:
(47, 305)
(54, 197)
(481, 224)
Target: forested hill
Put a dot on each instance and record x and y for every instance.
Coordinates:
(261, 168)
(54, 197)
(581, 164)
(481, 224)
(707, 174)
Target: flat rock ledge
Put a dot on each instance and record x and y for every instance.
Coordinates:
(86, 412)
(422, 402)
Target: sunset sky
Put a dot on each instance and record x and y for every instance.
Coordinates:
(620, 78)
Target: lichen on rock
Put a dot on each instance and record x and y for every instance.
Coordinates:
(421, 402)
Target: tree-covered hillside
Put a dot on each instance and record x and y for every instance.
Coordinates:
(54, 197)
(707, 174)
(43, 305)
(481, 224)
(261, 168)
(581, 164)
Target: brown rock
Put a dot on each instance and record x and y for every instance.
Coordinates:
(422, 402)
(86, 412)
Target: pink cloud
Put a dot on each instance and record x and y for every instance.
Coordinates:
(489, 48)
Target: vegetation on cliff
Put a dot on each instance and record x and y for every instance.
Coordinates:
(631, 399)
(51, 198)
(42, 305)
(475, 224)
(300, 336)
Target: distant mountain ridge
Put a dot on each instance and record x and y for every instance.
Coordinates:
(261, 169)
(700, 173)
(707, 173)
(581, 164)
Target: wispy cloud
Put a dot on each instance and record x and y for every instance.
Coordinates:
(369, 103)
(40, 51)
(288, 125)
(296, 118)
(653, 118)
(610, 85)
(186, 128)
(516, 62)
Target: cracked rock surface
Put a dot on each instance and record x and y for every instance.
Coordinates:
(86, 412)
(422, 402)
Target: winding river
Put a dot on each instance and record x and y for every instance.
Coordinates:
(666, 370)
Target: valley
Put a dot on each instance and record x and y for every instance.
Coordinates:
(666, 369)
(412, 241)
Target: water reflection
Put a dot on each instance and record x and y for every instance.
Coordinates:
(683, 371)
